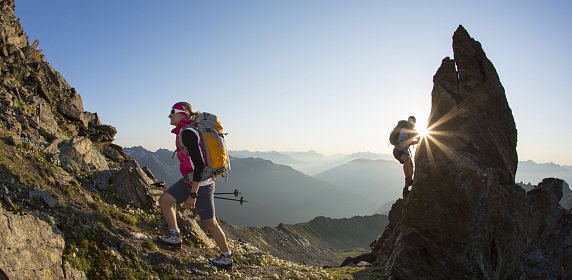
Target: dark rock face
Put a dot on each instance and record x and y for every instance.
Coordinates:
(470, 110)
(465, 217)
(132, 184)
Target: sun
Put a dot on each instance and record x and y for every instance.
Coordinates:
(422, 129)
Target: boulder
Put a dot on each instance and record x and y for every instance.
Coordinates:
(92, 118)
(69, 111)
(45, 197)
(116, 153)
(190, 226)
(79, 153)
(72, 273)
(48, 125)
(132, 185)
(30, 248)
(103, 134)
(102, 179)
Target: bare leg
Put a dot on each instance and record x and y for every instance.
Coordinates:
(166, 202)
(218, 234)
(407, 166)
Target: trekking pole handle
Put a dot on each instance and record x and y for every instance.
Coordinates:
(235, 193)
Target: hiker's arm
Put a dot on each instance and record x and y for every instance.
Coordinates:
(191, 141)
(416, 138)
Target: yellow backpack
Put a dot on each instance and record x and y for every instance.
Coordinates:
(212, 136)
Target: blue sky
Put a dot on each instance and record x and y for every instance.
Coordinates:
(330, 76)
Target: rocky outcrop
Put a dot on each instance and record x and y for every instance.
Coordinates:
(190, 225)
(547, 254)
(132, 185)
(115, 153)
(31, 249)
(39, 106)
(79, 153)
(465, 217)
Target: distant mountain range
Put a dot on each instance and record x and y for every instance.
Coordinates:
(532, 172)
(346, 187)
(314, 163)
(382, 176)
(275, 157)
(275, 193)
(309, 162)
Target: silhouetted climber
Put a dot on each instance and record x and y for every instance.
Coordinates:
(195, 189)
(403, 136)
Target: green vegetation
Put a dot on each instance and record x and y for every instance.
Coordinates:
(28, 108)
(130, 219)
(89, 257)
(346, 272)
(151, 246)
(11, 81)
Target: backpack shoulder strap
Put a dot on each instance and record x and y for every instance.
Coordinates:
(191, 128)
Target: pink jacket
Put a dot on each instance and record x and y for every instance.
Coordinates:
(185, 163)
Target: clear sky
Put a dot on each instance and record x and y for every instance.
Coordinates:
(330, 76)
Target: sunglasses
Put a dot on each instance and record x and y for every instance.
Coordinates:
(174, 111)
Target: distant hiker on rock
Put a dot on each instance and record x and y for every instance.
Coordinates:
(403, 136)
(195, 189)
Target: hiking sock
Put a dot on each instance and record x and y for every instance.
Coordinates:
(227, 254)
(175, 231)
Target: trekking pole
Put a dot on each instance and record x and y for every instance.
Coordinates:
(241, 200)
(235, 193)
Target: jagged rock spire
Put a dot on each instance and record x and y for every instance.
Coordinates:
(470, 115)
(465, 218)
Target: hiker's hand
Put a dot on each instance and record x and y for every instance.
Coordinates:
(190, 203)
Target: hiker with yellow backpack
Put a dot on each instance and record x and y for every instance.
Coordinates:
(203, 157)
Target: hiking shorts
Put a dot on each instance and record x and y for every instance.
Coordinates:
(205, 201)
(397, 153)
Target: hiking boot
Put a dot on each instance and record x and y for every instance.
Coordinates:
(405, 191)
(222, 261)
(173, 239)
(408, 181)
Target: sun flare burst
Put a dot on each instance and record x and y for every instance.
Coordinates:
(423, 131)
